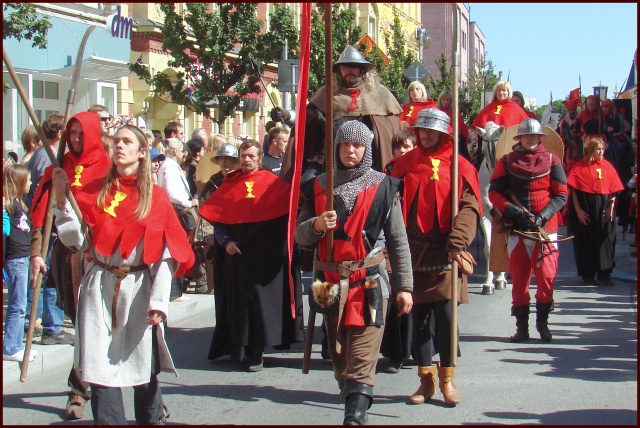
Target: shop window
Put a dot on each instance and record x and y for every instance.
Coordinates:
(38, 89)
(51, 90)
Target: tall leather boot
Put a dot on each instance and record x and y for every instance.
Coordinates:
(542, 317)
(358, 401)
(522, 323)
(427, 386)
(449, 390)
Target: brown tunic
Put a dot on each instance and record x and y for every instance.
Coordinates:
(431, 279)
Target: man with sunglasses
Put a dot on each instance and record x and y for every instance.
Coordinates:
(108, 123)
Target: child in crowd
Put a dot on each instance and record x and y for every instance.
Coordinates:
(403, 142)
(16, 183)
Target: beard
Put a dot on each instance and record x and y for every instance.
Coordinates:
(350, 81)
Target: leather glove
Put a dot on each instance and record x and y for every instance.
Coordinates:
(278, 114)
(543, 216)
(520, 218)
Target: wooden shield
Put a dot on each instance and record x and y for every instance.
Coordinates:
(205, 169)
(499, 260)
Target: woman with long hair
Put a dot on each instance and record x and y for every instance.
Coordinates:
(594, 184)
(138, 244)
(418, 100)
(16, 183)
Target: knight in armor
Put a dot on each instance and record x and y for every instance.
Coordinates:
(435, 240)
(367, 214)
(529, 187)
(357, 94)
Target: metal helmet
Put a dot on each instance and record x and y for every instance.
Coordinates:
(529, 127)
(226, 149)
(433, 118)
(351, 56)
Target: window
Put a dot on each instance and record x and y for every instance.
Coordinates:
(107, 96)
(38, 89)
(49, 113)
(51, 90)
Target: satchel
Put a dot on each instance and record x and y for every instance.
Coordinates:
(187, 216)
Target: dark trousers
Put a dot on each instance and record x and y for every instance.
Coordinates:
(424, 345)
(108, 408)
(78, 386)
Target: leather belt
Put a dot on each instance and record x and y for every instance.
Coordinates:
(120, 273)
(346, 268)
(424, 247)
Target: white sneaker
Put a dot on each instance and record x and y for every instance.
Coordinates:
(18, 356)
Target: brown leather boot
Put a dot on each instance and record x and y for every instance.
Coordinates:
(427, 385)
(449, 390)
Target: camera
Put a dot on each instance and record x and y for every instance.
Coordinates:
(126, 119)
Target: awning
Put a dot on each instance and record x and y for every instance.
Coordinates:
(95, 68)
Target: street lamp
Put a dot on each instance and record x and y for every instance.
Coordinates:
(424, 39)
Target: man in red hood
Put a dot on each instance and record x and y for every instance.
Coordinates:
(85, 164)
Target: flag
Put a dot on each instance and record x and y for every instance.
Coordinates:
(301, 113)
(575, 94)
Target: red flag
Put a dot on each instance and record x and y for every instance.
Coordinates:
(301, 113)
(575, 94)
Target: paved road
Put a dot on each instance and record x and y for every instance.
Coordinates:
(586, 375)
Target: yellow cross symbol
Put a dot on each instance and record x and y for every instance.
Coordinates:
(79, 169)
(498, 110)
(117, 198)
(249, 185)
(599, 173)
(435, 163)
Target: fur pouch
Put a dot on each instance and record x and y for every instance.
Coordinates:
(324, 296)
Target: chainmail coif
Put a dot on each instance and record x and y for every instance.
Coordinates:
(347, 183)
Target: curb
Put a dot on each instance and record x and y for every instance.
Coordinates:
(51, 357)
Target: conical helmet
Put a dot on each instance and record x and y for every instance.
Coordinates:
(351, 56)
(529, 127)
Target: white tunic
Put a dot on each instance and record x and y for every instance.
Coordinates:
(122, 356)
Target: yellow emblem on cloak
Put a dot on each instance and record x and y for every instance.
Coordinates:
(117, 198)
(435, 163)
(249, 185)
(599, 173)
(410, 111)
(79, 169)
(498, 110)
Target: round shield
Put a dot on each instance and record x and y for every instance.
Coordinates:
(205, 169)
(550, 140)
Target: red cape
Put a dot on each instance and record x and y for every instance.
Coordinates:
(416, 169)
(508, 114)
(160, 226)
(586, 177)
(94, 163)
(230, 205)
(410, 110)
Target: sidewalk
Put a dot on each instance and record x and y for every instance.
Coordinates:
(51, 357)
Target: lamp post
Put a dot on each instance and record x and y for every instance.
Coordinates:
(424, 39)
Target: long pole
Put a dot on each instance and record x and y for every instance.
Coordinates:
(328, 162)
(48, 216)
(454, 187)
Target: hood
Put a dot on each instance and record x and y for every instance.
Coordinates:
(93, 149)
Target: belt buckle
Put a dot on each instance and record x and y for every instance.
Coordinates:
(343, 270)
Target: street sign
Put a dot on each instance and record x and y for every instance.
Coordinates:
(288, 73)
(416, 71)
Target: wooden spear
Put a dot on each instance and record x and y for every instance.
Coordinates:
(454, 186)
(328, 163)
(48, 216)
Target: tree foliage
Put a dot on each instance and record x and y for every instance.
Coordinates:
(212, 50)
(480, 78)
(21, 21)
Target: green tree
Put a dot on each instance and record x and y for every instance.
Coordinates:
(392, 75)
(21, 21)
(480, 78)
(212, 48)
(343, 32)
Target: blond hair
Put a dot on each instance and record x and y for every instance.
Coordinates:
(214, 142)
(145, 181)
(503, 84)
(14, 178)
(425, 94)
(590, 147)
(444, 93)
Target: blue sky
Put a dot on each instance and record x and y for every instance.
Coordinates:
(545, 46)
